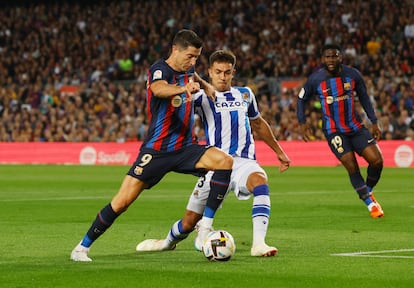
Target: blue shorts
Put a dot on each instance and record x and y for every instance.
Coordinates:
(341, 144)
(151, 165)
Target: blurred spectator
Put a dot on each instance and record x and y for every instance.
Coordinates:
(48, 45)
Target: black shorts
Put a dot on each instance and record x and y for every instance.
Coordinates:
(341, 144)
(151, 165)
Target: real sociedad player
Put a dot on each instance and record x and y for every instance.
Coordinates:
(169, 144)
(338, 88)
(228, 122)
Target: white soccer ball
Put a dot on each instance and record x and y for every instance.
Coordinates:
(219, 246)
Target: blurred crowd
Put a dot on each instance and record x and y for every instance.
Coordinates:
(104, 48)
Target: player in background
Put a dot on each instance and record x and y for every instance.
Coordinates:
(169, 144)
(338, 88)
(228, 123)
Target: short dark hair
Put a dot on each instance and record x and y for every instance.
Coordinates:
(222, 56)
(186, 38)
(331, 47)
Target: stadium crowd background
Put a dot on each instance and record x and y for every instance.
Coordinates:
(104, 48)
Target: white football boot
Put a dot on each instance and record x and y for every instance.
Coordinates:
(80, 253)
(263, 250)
(154, 245)
(201, 237)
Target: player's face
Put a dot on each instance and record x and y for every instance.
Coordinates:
(331, 60)
(221, 75)
(185, 58)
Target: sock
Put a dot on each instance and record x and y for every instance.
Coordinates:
(360, 187)
(260, 213)
(103, 221)
(373, 176)
(176, 234)
(218, 188)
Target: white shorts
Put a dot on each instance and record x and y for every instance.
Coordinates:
(242, 168)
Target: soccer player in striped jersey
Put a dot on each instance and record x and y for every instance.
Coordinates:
(338, 88)
(228, 123)
(169, 144)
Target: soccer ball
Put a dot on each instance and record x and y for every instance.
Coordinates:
(219, 246)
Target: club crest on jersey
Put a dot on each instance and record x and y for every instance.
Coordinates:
(329, 100)
(245, 96)
(176, 101)
(138, 170)
(347, 86)
(157, 75)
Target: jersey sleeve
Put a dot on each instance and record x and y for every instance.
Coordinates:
(198, 97)
(305, 94)
(253, 109)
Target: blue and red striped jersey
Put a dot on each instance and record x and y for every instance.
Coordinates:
(338, 96)
(170, 119)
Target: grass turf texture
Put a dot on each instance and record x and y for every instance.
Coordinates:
(45, 210)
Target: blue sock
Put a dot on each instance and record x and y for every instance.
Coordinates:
(102, 222)
(86, 241)
(368, 201)
(360, 187)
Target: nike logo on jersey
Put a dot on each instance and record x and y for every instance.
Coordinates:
(326, 90)
(371, 140)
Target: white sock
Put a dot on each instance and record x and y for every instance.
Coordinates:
(260, 218)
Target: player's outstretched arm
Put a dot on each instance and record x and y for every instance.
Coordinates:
(262, 128)
(162, 89)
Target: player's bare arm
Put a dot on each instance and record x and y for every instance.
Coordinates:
(162, 89)
(262, 128)
(305, 132)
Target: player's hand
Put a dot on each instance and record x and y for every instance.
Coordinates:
(192, 87)
(207, 87)
(284, 162)
(304, 130)
(376, 132)
(210, 92)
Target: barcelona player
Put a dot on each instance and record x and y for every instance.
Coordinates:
(338, 88)
(169, 144)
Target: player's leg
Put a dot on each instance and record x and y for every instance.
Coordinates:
(183, 227)
(221, 163)
(249, 179)
(366, 146)
(351, 165)
(197, 204)
(257, 183)
(177, 233)
(343, 147)
(147, 170)
(373, 156)
(128, 192)
(193, 157)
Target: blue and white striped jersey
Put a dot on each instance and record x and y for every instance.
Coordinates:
(226, 121)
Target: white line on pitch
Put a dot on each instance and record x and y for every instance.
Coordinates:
(375, 254)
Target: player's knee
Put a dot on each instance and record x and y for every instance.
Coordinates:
(226, 162)
(378, 163)
(256, 179)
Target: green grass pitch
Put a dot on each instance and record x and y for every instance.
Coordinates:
(323, 231)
